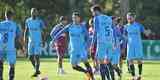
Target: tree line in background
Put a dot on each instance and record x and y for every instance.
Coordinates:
(50, 10)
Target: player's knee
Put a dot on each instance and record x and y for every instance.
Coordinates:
(12, 66)
(130, 62)
(31, 57)
(140, 62)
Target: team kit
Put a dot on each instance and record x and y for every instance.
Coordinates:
(103, 38)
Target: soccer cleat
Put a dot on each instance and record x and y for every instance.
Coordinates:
(139, 78)
(36, 74)
(133, 78)
(61, 71)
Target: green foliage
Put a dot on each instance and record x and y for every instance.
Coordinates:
(51, 10)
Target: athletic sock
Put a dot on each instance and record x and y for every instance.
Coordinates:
(117, 69)
(111, 71)
(37, 64)
(32, 59)
(140, 68)
(1, 70)
(103, 71)
(132, 69)
(11, 73)
(89, 69)
(79, 68)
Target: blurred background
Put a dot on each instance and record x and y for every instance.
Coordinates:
(147, 11)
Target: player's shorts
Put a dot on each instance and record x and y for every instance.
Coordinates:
(60, 50)
(60, 46)
(103, 51)
(34, 48)
(115, 56)
(10, 56)
(134, 53)
(78, 56)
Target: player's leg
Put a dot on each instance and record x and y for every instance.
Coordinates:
(102, 71)
(37, 52)
(117, 70)
(140, 67)
(105, 70)
(31, 54)
(1, 65)
(74, 60)
(110, 67)
(11, 58)
(60, 53)
(37, 59)
(95, 62)
(103, 61)
(115, 62)
(122, 57)
(132, 68)
(11, 72)
(88, 66)
(32, 59)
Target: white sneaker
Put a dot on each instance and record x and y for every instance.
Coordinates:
(61, 71)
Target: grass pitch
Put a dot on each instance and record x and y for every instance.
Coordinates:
(49, 68)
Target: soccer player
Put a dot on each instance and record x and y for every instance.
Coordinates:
(93, 48)
(104, 35)
(78, 44)
(9, 32)
(34, 26)
(60, 43)
(134, 44)
(115, 56)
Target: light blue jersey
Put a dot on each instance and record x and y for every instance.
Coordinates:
(115, 57)
(134, 41)
(104, 35)
(8, 31)
(77, 42)
(34, 27)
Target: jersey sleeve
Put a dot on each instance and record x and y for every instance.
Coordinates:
(42, 24)
(141, 27)
(26, 23)
(65, 29)
(54, 31)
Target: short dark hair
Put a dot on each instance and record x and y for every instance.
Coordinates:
(34, 9)
(131, 14)
(9, 13)
(62, 18)
(118, 19)
(96, 8)
(76, 13)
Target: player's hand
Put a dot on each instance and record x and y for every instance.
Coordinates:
(114, 47)
(24, 50)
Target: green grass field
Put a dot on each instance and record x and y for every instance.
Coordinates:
(49, 67)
